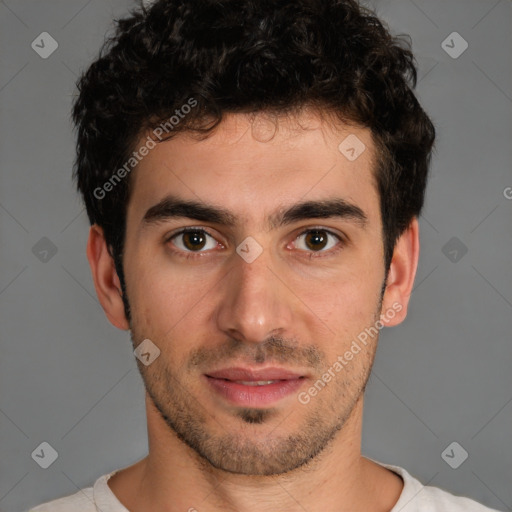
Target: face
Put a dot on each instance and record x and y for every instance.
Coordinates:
(280, 270)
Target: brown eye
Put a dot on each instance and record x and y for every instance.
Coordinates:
(317, 240)
(193, 240)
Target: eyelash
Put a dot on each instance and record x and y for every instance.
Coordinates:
(312, 254)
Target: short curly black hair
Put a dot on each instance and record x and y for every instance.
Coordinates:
(249, 56)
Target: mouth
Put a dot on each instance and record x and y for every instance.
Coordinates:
(254, 388)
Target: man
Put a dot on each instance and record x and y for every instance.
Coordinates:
(253, 173)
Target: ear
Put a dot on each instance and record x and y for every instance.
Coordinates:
(106, 280)
(401, 275)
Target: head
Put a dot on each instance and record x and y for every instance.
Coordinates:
(241, 108)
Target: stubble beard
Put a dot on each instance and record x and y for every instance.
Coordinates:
(244, 451)
(240, 452)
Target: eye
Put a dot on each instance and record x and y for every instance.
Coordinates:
(197, 241)
(193, 240)
(317, 240)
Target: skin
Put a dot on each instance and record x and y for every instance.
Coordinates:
(296, 306)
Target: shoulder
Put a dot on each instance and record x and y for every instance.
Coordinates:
(437, 500)
(82, 501)
(89, 499)
(417, 497)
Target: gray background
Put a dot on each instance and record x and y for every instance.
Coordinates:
(69, 378)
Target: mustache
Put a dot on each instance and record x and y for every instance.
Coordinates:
(273, 349)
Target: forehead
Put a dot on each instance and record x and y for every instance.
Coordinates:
(253, 164)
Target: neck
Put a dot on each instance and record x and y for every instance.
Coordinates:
(173, 477)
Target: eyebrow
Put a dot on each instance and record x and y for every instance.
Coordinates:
(171, 207)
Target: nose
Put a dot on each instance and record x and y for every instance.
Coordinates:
(254, 302)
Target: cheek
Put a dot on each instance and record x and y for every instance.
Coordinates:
(347, 300)
(349, 313)
(169, 303)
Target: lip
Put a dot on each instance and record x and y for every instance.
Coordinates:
(245, 395)
(239, 373)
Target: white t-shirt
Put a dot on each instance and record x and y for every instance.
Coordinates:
(414, 498)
